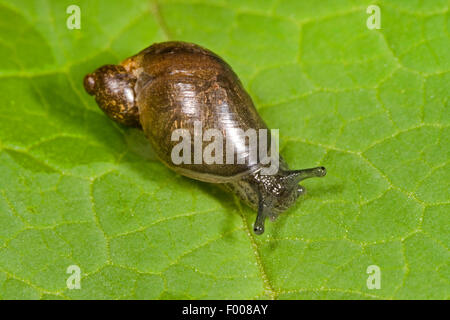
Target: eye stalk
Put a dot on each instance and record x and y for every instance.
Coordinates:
(263, 212)
(296, 176)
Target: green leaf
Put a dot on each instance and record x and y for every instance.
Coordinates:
(370, 105)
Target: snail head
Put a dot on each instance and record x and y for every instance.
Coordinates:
(279, 192)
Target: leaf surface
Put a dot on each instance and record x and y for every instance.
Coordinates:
(370, 105)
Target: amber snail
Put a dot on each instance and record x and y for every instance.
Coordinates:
(173, 85)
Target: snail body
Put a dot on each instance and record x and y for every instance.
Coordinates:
(177, 85)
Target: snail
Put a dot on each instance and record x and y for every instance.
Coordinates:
(177, 85)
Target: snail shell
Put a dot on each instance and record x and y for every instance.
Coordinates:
(179, 85)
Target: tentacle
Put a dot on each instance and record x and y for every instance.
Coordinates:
(263, 213)
(298, 175)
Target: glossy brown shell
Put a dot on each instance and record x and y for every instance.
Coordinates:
(179, 83)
